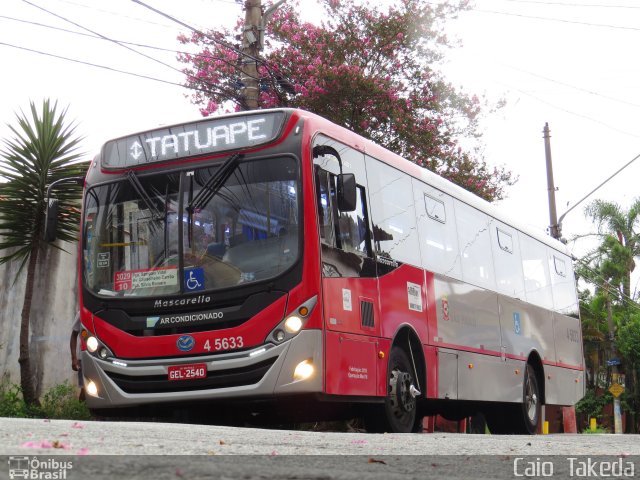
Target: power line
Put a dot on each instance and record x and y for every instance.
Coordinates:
(193, 29)
(99, 37)
(599, 281)
(138, 19)
(534, 2)
(106, 67)
(580, 115)
(47, 26)
(103, 36)
(561, 20)
(116, 14)
(580, 89)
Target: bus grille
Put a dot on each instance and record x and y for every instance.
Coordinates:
(234, 377)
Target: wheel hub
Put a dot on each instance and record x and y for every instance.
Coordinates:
(530, 397)
(402, 391)
(532, 405)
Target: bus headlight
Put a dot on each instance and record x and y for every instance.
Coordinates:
(92, 344)
(293, 324)
(97, 348)
(303, 370)
(92, 388)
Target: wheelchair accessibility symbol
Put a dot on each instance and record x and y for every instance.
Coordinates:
(517, 327)
(194, 279)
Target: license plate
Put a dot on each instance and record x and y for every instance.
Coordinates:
(188, 372)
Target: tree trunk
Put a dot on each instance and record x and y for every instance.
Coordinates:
(27, 380)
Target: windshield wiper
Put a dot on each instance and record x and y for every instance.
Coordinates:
(142, 193)
(215, 183)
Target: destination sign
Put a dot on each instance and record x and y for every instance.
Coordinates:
(191, 139)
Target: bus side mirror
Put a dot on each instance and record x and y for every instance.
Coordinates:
(51, 220)
(347, 192)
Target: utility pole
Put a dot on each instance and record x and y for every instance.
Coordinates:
(255, 21)
(554, 227)
(250, 50)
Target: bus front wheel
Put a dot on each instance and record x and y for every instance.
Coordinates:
(399, 413)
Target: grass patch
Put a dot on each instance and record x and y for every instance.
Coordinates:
(59, 402)
(597, 430)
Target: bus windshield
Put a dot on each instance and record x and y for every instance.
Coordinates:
(201, 229)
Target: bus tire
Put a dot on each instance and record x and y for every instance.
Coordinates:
(531, 401)
(520, 418)
(400, 411)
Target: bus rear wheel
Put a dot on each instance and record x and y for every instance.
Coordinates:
(399, 413)
(522, 418)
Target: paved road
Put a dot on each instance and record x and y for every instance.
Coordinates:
(168, 450)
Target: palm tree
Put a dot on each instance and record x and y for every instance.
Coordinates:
(612, 219)
(614, 262)
(42, 149)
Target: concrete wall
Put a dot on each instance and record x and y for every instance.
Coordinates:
(53, 309)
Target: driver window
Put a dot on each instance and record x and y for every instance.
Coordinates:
(349, 233)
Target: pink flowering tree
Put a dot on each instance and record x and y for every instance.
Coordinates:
(370, 69)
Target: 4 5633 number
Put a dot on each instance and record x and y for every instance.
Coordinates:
(227, 343)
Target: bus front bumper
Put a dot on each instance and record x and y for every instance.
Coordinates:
(263, 371)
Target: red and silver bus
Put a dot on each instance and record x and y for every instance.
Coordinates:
(273, 256)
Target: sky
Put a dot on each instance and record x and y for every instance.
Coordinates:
(571, 63)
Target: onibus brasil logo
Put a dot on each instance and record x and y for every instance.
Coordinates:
(38, 468)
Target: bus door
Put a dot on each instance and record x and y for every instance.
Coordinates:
(401, 278)
(348, 278)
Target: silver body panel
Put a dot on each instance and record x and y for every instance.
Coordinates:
(503, 293)
(278, 379)
(486, 338)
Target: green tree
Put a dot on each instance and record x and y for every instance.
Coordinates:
(624, 225)
(41, 150)
(628, 343)
(609, 267)
(594, 334)
(372, 69)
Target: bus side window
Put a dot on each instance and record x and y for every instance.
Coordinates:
(535, 267)
(505, 241)
(564, 293)
(435, 209)
(507, 262)
(349, 233)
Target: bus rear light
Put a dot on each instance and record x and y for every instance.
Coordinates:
(92, 388)
(303, 370)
